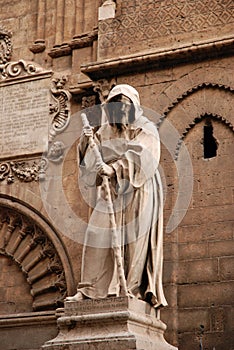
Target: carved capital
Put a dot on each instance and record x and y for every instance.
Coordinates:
(103, 87)
(88, 101)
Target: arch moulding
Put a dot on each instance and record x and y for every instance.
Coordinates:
(204, 91)
(34, 245)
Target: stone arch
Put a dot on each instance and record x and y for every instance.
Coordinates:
(195, 122)
(28, 240)
(188, 83)
(202, 91)
(204, 99)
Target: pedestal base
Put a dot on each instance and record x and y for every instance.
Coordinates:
(114, 323)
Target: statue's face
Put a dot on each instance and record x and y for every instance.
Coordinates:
(119, 110)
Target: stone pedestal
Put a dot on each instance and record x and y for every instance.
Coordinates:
(114, 323)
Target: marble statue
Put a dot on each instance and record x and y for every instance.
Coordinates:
(126, 173)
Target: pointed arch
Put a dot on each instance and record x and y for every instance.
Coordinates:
(209, 99)
(195, 122)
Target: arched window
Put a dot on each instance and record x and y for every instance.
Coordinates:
(210, 144)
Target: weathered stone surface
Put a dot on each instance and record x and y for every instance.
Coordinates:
(25, 108)
(123, 323)
(27, 331)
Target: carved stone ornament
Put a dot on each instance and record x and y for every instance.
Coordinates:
(56, 152)
(18, 68)
(25, 171)
(84, 39)
(29, 247)
(5, 45)
(60, 108)
(103, 87)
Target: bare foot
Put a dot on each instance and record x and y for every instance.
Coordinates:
(77, 297)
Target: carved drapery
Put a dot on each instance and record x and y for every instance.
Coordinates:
(24, 241)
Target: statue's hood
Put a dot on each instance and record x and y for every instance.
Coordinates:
(127, 91)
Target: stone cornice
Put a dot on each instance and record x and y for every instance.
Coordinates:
(24, 319)
(144, 61)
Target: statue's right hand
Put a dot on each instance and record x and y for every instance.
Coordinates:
(88, 131)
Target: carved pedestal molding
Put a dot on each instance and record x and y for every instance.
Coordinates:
(39, 44)
(156, 58)
(114, 323)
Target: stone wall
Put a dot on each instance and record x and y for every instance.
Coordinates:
(146, 25)
(179, 57)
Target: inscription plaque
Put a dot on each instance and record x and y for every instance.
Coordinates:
(92, 306)
(24, 117)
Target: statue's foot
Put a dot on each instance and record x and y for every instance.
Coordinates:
(77, 297)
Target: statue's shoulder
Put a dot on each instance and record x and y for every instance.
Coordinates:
(147, 125)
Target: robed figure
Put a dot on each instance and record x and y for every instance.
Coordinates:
(130, 148)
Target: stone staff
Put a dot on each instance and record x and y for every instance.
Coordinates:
(115, 245)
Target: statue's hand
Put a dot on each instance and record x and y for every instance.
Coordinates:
(106, 170)
(88, 131)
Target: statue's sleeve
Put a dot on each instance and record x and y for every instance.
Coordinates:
(140, 161)
(87, 161)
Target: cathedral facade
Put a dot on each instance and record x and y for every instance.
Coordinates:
(59, 57)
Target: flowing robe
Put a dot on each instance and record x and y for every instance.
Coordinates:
(137, 197)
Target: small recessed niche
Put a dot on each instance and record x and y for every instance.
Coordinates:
(210, 144)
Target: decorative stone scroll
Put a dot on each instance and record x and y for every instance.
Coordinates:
(19, 68)
(60, 108)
